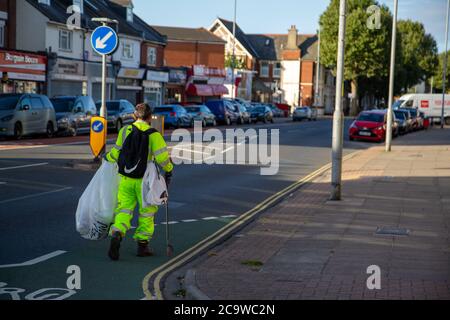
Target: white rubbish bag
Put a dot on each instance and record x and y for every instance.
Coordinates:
(154, 188)
(95, 211)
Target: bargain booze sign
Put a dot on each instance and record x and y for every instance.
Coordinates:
(23, 66)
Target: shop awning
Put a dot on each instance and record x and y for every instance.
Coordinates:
(206, 90)
(259, 85)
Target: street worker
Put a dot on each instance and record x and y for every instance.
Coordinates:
(136, 144)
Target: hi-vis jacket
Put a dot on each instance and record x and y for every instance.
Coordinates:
(157, 146)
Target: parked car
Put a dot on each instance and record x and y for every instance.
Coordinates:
(285, 108)
(174, 116)
(261, 113)
(202, 113)
(24, 114)
(120, 113)
(224, 111)
(409, 118)
(244, 115)
(417, 120)
(371, 126)
(301, 113)
(74, 113)
(401, 118)
(277, 113)
(429, 104)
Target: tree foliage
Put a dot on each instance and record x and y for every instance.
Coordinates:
(437, 77)
(417, 57)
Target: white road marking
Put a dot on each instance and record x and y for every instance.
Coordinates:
(210, 218)
(1, 182)
(34, 261)
(35, 195)
(229, 216)
(25, 166)
(189, 220)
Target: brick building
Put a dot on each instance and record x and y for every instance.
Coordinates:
(195, 59)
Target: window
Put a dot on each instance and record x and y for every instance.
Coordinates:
(264, 69)
(127, 50)
(151, 56)
(47, 2)
(79, 4)
(36, 103)
(65, 40)
(130, 13)
(2, 33)
(277, 70)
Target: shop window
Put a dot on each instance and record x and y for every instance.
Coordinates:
(264, 70)
(65, 40)
(151, 56)
(277, 70)
(127, 50)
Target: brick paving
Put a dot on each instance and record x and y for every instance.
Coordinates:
(312, 248)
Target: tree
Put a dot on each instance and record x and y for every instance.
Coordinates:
(417, 59)
(439, 72)
(367, 50)
(234, 63)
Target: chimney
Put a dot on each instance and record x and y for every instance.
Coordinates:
(292, 38)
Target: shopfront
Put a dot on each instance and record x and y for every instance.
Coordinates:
(94, 74)
(129, 84)
(22, 72)
(205, 83)
(154, 87)
(67, 78)
(175, 89)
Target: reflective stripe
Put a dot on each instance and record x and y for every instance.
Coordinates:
(124, 133)
(125, 226)
(118, 147)
(147, 215)
(160, 151)
(165, 163)
(145, 234)
(126, 211)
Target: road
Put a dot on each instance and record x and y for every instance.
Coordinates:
(39, 192)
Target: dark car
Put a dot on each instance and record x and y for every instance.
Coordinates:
(23, 114)
(409, 118)
(277, 113)
(174, 116)
(371, 126)
(401, 118)
(261, 113)
(224, 110)
(244, 115)
(120, 113)
(201, 113)
(417, 120)
(74, 113)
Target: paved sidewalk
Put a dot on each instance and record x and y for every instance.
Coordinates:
(310, 248)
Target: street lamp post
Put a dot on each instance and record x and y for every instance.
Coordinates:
(338, 116)
(444, 76)
(233, 57)
(391, 81)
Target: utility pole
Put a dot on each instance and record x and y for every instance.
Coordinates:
(233, 57)
(338, 117)
(444, 76)
(391, 80)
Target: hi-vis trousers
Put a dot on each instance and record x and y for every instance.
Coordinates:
(129, 196)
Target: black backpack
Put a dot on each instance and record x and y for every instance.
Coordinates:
(134, 154)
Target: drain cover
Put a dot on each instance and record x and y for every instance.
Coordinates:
(393, 231)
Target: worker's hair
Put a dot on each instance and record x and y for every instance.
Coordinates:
(143, 111)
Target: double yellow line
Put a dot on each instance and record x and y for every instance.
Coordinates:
(159, 273)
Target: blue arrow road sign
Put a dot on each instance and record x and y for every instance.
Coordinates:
(104, 40)
(97, 126)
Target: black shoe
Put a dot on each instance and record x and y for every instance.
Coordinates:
(114, 247)
(143, 249)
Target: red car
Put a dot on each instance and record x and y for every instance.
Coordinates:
(370, 126)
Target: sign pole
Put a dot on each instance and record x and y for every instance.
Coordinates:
(103, 111)
(444, 73)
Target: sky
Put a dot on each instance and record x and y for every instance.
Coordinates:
(276, 16)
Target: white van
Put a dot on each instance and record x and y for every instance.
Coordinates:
(429, 104)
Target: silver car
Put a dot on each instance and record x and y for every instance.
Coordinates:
(25, 114)
(304, 113)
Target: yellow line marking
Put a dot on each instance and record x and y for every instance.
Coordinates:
(188, 254)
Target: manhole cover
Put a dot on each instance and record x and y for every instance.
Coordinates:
(392, 231)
